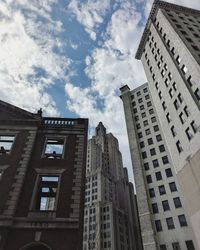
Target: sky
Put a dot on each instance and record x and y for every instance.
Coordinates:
(70, 57)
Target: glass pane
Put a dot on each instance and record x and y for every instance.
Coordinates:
(50, 178)
(47, 203)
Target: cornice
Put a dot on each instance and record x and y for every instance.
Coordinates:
(157, 4)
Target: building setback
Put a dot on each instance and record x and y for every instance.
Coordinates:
(164, 223)
(42, 173)
(110, 216)
(170, 53)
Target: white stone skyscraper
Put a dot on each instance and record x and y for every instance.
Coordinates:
(110, 216)
(164, 222)
(170, 53)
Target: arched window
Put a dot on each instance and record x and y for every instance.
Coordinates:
(36, 246)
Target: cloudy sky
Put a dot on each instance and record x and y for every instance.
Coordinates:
(71, 57)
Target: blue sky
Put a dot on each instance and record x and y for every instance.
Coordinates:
(71, 57)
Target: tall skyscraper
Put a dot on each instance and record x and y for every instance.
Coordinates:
(110, 217)
(170, 53)
(42, 174)
(164, 223)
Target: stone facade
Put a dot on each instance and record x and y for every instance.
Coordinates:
(42, 173)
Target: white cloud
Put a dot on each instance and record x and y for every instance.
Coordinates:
(89, 14)
(26, 47)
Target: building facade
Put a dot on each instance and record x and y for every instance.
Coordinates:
(170, 53)
(110, 215)
(42, 173)
(164, 222)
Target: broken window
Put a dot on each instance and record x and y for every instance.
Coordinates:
(54, 148)
(6, 142)
(47, 193)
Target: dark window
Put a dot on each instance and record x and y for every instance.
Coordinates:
(144, 155)
(158, 225)
(166, 82)
(6, 142)
(47, 192)
(163, 247)
(171, 93)
(147, 131)
(197, 94)
(146, 166)
(189, 244)
(140, 100)
(168, 117)
(140, 135)
(178, 59)
(155, 208)
(184, 69)
(165, 160)
(194, 126)
(162, 148)
(147, 97)
(149, 179)
(170, 223)
(158, 138)
(160, 95)
(155, 163)
(182, 118)
(145, 90)
(176, 246)
(152, 151)
(138, 126)
(176, 104)
(173, 187)
(136, 118)
(158, 176)
(151, 193)
(156, 128)
(54, 148)
(177, 202)
(190, 81)
(150, 141)
(165, 205)
(156, 85)
(142, 144)
(186, 111)
(189, 133)
(162, 189)
(134, 110)
(164, 106)
(195, 47)
(141, 107)
(138, 93)
(174, 86)
(168, 172)
(179, 147)
(133, 104)
(149, 104)
(180, 98)
(143, 114)
(173, 131)
(151, 111)
(145, 122)
(182, 220)
(153, 119)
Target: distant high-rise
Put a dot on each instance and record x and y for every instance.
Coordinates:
(164, 223)
(110, 217)
(170, 53)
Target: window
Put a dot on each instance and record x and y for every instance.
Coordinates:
(54, 148)
(182, 118)
(151, 193)
(151, 111)
(135, 110)
(177, 202)
(162, 190)
(155, 208)
(171, 93)
(158, 138)
(145, 122)
(140, 100)
(155, 163)
(163, 247)
(147, 97)
(178, 59)
(141, 107)
(190, 81)
(144, 155)
(174, 86)
(156, 128)
(165, 160)
(138, 93)
(194, 126)
(158, 225)
(147, 131)
(47, 193)
(140, 135)
(158, 176)
(165, 205)
(170, 223)
(173, 131)
(149, 104)
(149, 179)
(189, 244)
(176, 104)
(164, 106)
(179, 147)
(153, 119)
(184, 69)
(143, 114)
(136, 118)
(156, 85)
(168, 117)
(138, 126)
(162, 148)
(176, 246)
(146, 166)
(150, 141)
(186, 110)
(168, 172)
(197, 94)
(166, 82)
(189, 133)
(180, 98)
(172, 187)
(6, 142)
(145, 90)
(152, 151)
(160, 95)
(182, 220)
(142, 144)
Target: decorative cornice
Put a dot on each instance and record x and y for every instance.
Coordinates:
(157, 4)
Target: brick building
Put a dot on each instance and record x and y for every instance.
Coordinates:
(42, 171)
